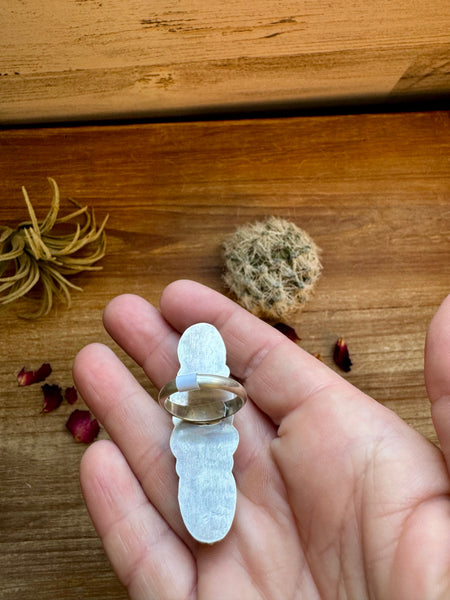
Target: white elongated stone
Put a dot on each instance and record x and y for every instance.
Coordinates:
(207, 490)
(204, 453)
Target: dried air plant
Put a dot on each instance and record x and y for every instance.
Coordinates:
(34, 253)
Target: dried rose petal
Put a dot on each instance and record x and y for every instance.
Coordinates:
(25, 377)
(287, 331)
(82, 427)
(71, 395)
(52, 397)
(341, 356)
(43, 372)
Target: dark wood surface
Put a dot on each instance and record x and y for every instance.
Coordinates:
(372, 190)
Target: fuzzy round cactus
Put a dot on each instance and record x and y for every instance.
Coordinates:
(271, 267)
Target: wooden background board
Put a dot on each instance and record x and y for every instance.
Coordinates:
(372, 190)
(81, 59)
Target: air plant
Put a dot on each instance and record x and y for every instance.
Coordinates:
(35, 253)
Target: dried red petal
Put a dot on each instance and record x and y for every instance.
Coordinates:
(82, 427)
(43, 372)
(71, 395)
(287, 331)
(52, 397)
(25, 377)
(341, 356)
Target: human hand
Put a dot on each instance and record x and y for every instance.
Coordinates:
(337, 497)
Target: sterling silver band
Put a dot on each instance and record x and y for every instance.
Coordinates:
(206, 402)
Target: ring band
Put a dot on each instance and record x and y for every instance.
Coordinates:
(203, 408)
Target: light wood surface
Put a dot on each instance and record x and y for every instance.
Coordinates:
(372, 190)
(92, 59)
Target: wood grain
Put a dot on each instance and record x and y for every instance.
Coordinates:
(372, 190)
(92, 59)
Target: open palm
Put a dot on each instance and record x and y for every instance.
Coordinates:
(337, 497)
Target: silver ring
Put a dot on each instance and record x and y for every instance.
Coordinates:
(205, 402)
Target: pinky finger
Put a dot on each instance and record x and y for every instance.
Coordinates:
(147, 556)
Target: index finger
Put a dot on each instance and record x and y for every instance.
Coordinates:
(277, 374)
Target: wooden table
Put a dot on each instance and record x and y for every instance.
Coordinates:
(91, 59)
(372, 190)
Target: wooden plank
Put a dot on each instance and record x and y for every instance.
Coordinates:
(81, 59)
(372, 190)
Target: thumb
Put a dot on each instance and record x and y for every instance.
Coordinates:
(437, 374)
